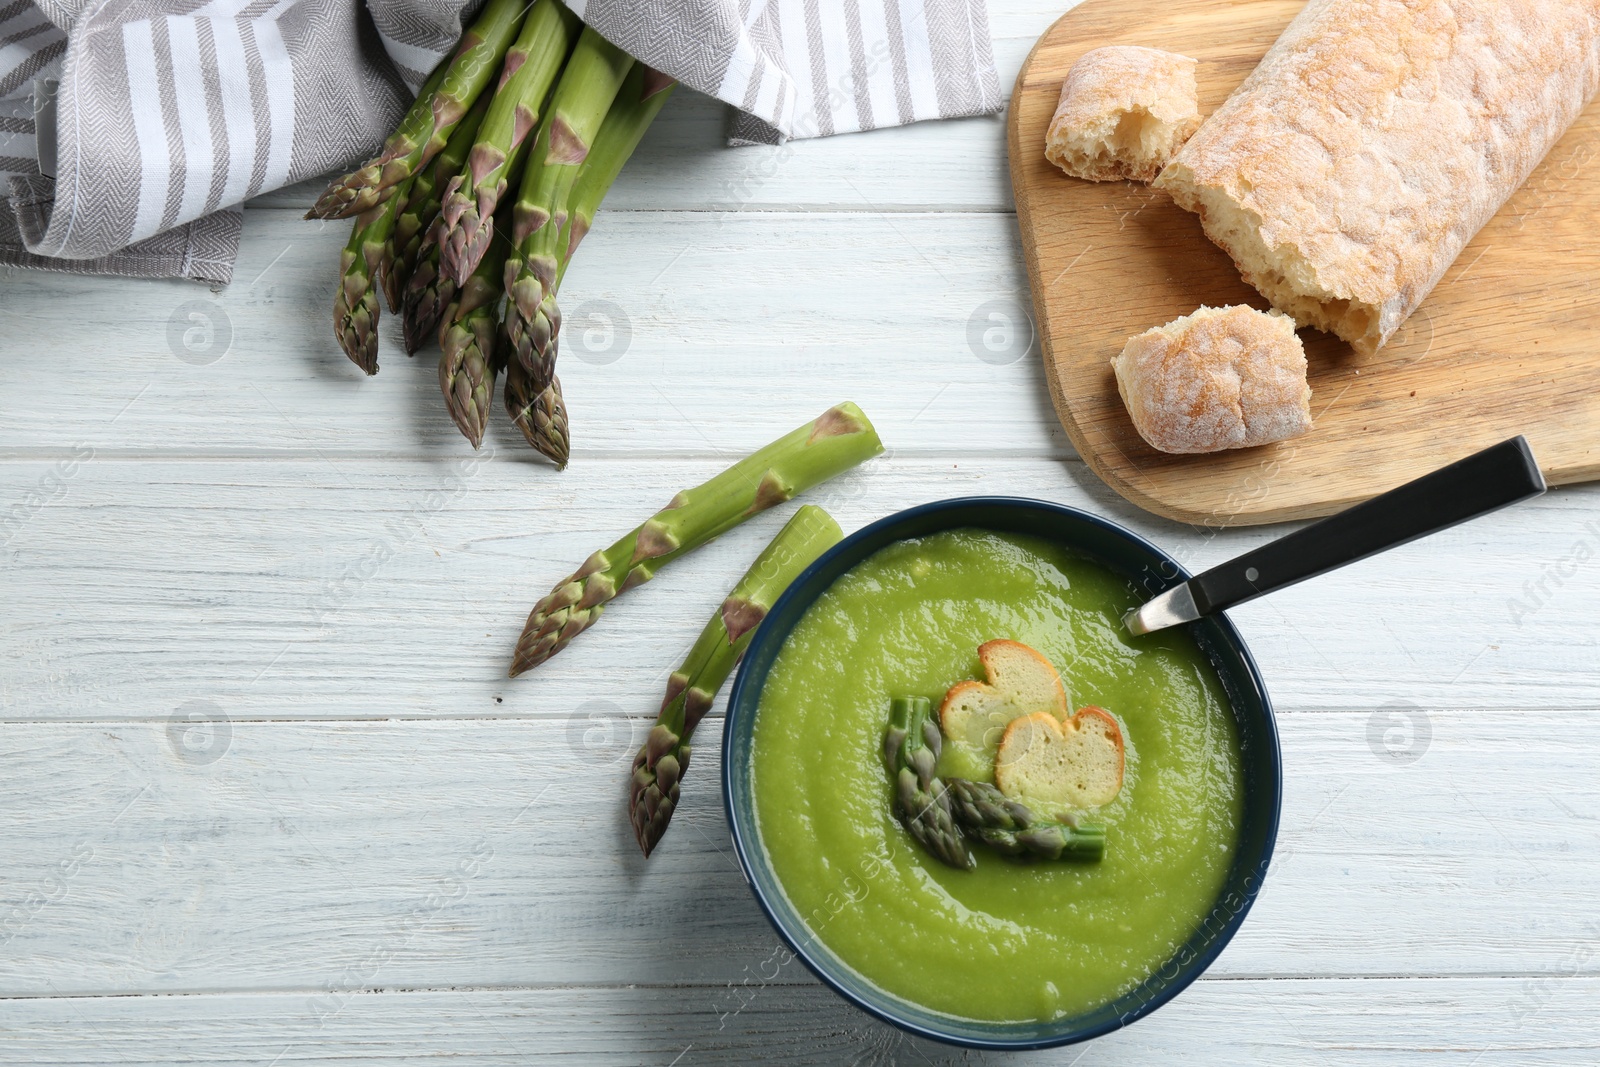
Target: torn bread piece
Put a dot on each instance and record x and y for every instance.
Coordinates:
(1021, 682)
(1123, 112)
(1075, 764)
(1230, 377)
(1374, 140)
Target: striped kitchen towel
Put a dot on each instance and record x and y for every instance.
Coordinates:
(132, 130)
(811, 68)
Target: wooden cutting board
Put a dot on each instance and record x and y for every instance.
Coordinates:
(1509, 341)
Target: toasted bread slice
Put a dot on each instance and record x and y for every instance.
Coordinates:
(1076, 763)
(1021, 682)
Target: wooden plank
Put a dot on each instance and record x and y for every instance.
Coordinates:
(262, 856)
(682, 332)
(1545, 1020)
(364, 587)
(1492, 353)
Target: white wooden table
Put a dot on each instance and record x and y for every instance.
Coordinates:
(266, 796)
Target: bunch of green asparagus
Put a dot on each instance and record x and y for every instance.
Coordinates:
(911, 747)
(468, 217)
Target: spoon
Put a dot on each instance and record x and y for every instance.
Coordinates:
(1483, 482)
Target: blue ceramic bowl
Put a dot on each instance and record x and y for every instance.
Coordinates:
(1151, 569)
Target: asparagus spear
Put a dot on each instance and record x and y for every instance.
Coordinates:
(447, 95)
(911, 748)
(835, 441)
(641, 97)
(664, 757)
(1012, 829)
(421, 205)
(643, 94)
(587, 88)
(428, 293)
(361, 266)
(541, 416)
(468, 335)
(429, 290)
(530, 68)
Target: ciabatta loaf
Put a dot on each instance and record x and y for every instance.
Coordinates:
(1375, 138)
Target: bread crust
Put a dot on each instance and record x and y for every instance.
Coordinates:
(1219, 378)
(1106, 86)
(1375, 139)
(994, 656)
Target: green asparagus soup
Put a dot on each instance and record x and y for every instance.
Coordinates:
(1004, 942)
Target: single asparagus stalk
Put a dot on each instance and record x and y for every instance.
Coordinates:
(643, 94)
(541, 416)
(911, 747)
(531, 67)
(355, 303)
(468, 335)
(428, 293)
(835, 441)
(582, 98)
(1012, 829)
(515, 327)
(664, 758)
(446, 97)
(421, 207)
(362, 265)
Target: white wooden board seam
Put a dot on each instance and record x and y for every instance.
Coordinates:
(1219, 981)
(824, 210)
(192, 454)
(716, 716)
(1320, 1025)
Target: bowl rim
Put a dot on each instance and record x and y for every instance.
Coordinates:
(820, 967)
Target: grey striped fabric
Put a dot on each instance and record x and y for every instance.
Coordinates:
(131, 130)
(811, 68)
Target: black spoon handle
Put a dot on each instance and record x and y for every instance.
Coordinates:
(1481, 483)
